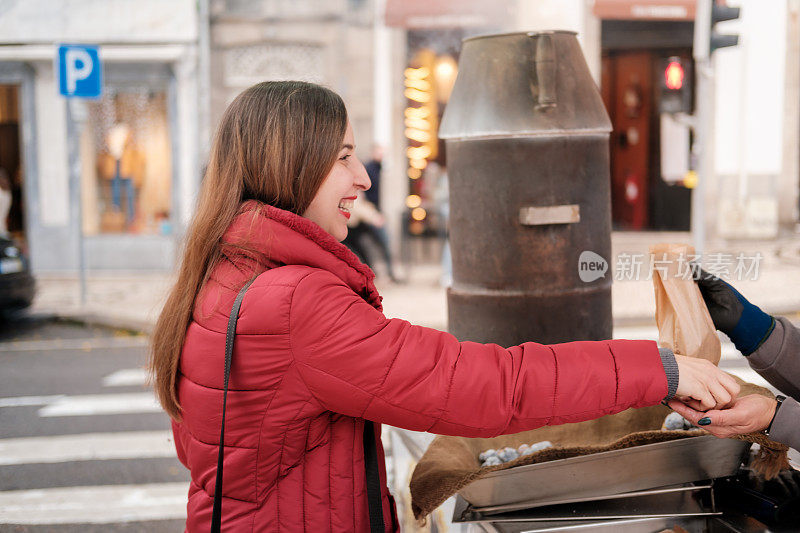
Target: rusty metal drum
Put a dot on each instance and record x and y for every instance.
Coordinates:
(528, 165)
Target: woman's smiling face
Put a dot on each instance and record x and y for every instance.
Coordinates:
(330, 208)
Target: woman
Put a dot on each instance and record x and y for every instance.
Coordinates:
(772, 348)
(314, 355)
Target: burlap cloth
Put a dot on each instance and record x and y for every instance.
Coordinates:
(450, 463)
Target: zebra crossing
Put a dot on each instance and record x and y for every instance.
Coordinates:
(102, 453)
(54, 474)
(94, 505)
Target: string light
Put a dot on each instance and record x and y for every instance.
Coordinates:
(418, 135)
(417, 95)
(418, 152)
(419, 214)
(413, 201)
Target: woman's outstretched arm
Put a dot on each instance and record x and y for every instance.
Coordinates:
(357, 362)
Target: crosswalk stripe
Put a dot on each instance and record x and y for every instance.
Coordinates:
(25, 401)
(86, 447)
(126, 377)
(102, 504)
(97, 343)
(102, 404)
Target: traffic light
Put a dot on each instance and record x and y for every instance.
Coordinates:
(708, 14)
(675, 85)
(721, 13)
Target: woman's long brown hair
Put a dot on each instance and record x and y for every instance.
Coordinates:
(276, 143)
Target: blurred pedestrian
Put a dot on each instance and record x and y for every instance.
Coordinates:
(377, 233)
(367, 223)
(374, 168)
(442, 198)
(772, 348)
(316, 362)
(5, 202)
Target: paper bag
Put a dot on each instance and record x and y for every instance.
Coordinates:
(684, 324)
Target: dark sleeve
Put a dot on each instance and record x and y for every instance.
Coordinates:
(786, 426)
(778, 358)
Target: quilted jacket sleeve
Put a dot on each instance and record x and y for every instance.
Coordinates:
(357, 362)
(778, 361)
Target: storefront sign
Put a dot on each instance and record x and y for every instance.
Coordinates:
(645, 9)
(424, 14)
(80, 73)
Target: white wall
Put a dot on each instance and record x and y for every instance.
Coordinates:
(749, 123)
(53, 164)
(756, 67)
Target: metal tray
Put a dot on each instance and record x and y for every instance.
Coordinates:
(681, 501)
(638, 525)
(606, 473)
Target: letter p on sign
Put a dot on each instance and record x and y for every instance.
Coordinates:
(80, 72)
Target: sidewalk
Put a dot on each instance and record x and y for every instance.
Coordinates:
(133, 300)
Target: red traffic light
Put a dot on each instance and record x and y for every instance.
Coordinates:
(673, 76)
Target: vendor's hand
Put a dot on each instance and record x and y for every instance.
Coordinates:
(747, 414)
(746, 324)
(702, 385)
(721, 299)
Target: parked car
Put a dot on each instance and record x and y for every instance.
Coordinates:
(17, 285)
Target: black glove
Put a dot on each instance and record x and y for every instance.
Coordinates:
(720, 298)
(746, 324)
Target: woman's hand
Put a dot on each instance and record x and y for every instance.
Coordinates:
(703, 386)
(747, 414)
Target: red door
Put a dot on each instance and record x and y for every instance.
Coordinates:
(627, 89)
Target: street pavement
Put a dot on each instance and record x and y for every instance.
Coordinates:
(84, 445)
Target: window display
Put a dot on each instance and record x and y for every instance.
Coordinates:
(126, 163)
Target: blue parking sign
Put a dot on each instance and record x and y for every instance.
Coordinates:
(80, 73)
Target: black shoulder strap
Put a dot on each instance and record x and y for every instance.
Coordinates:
(230, 336)
(370, 449)
(374, 499)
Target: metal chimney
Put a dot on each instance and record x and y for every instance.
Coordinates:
(528, 165)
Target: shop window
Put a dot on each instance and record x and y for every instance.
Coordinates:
(126, 159)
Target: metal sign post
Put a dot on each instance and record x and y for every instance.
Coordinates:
(706, 41)
(703, 150)
(703, 122)
(80, 74)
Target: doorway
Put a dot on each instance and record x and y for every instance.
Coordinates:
(11, 168)
(642, 198)
(646, 194)
(627, 82)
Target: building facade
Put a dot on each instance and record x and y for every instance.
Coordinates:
(754, 189)
(108, 181)
(111, 183)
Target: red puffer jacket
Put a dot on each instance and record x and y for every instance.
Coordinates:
(315, 357)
